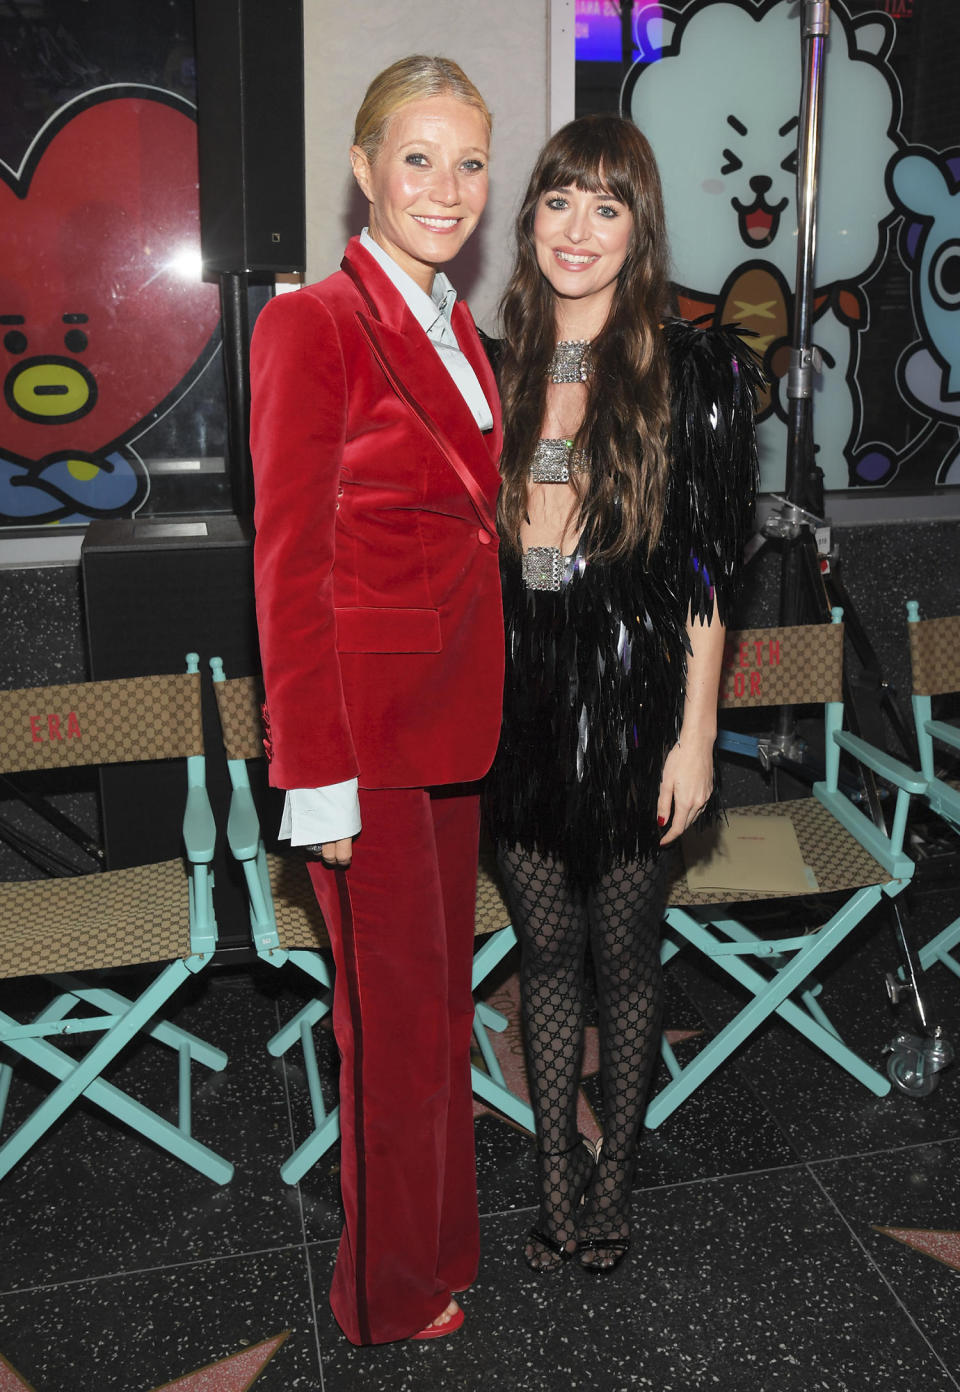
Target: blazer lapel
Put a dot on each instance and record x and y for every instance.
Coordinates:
(419, 378)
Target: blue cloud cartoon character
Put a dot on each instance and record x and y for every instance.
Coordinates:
(926, 189)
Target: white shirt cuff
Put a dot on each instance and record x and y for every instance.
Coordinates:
(312, 816)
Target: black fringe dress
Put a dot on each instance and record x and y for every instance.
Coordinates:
(593, 692)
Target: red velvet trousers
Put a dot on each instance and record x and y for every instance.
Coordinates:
(401, 921)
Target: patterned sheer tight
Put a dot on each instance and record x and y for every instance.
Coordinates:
(620, 918)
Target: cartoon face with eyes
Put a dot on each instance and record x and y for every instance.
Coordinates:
(759, 218)
(720, 103)
(49, 388)
(718, 96)
(99, 330)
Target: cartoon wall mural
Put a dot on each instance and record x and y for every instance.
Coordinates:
(104, 322)
(925, 187)
(717, 91)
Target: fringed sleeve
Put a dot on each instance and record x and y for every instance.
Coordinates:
(714, 378)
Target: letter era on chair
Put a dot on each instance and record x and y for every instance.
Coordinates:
(841, 846)
(287, 926)
(935, 671)
(73, 930)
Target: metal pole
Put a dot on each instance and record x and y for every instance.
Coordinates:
(236, 367)
(802, 492)
(800, 486)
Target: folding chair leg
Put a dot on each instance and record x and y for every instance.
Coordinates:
(164, 1033)
(316, 1144)
(486, 1018)
(299, 1030)
(492, 953)
(769, 997)
(491, 1087)
(938, 949)
(117, 1104)
(83, 1077)
(6, 1078)
(290, 1033)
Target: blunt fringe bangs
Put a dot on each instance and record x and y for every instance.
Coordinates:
(626, 423)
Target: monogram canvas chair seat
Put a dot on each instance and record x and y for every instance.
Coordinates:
(846, 852)
(74, 931)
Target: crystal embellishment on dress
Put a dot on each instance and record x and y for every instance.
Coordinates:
(542, 568)
(554, 461)
(571, 361)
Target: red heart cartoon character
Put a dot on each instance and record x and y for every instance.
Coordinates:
(104, 321)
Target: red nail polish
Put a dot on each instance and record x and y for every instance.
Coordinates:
(661, 821)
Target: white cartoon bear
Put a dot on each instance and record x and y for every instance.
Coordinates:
(718, 96)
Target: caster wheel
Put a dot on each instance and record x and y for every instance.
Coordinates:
(901, 1074)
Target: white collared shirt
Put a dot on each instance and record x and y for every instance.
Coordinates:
(432, 312)
(316, 815)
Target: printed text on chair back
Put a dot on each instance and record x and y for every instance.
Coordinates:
(89, 723)
(796, 666)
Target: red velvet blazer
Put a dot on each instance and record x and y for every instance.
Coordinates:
(378, 589)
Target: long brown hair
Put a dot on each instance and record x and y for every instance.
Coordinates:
(627, 417)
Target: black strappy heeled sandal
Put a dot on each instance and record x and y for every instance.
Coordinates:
(598, 1254)
(549, 1252)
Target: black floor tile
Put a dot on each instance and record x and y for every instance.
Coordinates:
(746, 1285)
(913, 1195)
(820, 1108)
(144, 1329)
(98, 1199)
(758, 1265)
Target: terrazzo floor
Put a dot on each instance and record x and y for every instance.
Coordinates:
(791, 1231)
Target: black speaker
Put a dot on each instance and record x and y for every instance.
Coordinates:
(153, 591)
(250, 132)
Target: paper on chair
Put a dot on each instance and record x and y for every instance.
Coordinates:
(757, 854)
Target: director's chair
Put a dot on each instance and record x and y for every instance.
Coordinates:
(72, 931)
(287, 926)
(845, 851)
(935, 671)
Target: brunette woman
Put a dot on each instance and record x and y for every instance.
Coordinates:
(376, 434)
(629, 469)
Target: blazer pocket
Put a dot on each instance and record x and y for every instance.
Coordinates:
(387, 630)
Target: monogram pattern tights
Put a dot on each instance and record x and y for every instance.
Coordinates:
(620, 918)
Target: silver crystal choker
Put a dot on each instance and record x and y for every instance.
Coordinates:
(554, 461)
(571, 361)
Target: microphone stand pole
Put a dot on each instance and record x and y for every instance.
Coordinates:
(915, 1059)
(802, 504)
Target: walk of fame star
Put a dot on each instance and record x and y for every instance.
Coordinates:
(234, 1374)
(932, 1242)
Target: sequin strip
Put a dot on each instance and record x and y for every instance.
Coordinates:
(570, 361)
(542, 568)
(553, 461)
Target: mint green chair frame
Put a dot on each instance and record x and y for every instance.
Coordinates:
(786, 987)
(66, 929)
(499, 938)
(935, 662)
(286, 926)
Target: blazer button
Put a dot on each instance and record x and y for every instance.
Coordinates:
(483, 537)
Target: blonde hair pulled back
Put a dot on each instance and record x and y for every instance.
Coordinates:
(410, 79)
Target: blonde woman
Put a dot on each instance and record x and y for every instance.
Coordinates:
(375, 435)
